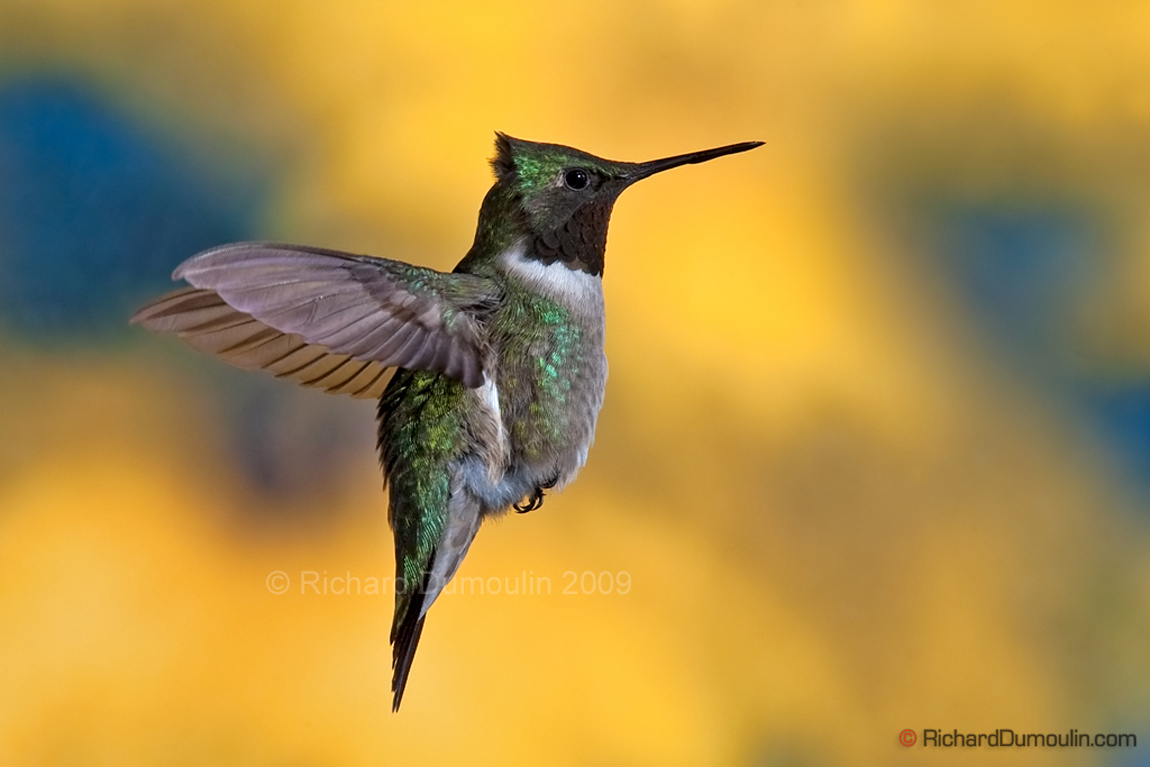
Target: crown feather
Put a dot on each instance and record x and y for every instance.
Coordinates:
(503, 164)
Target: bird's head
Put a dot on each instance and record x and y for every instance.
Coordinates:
(565, 196)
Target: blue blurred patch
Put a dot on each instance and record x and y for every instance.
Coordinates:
(1024, 270)
(1123, 416)
(1126, 757)
(1021, 270)
(95, 212)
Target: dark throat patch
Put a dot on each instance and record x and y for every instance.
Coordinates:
(579, 244)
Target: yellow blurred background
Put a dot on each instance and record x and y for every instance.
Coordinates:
(876, 447)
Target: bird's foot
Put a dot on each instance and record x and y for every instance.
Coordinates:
(535, 500)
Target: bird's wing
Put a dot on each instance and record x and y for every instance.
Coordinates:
(326, 318)
(206, 323)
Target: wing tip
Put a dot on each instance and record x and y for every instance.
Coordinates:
(149, 310)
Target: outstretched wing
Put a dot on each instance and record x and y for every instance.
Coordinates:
(326, 318)
(206, 323)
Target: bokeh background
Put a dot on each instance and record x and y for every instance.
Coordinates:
(876, 447)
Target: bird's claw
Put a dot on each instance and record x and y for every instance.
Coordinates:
(535, 500)
(532, 503)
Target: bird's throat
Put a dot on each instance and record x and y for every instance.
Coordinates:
(579, 245)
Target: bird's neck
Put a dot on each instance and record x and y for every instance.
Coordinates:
(579, 245)
(502, 226)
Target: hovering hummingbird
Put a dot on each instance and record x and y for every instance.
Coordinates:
(500, 365)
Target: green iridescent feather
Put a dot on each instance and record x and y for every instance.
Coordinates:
(422, 432)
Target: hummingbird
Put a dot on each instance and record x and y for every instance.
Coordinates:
(489, 378)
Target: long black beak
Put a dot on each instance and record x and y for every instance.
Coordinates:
(651, 167)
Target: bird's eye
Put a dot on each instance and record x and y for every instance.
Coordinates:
(576, 179)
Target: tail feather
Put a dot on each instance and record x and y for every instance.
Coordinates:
(405, 632)
(460, 526)
(403, 651)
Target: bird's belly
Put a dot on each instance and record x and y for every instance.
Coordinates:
(538, 412)
(542, 442)
(551, 417)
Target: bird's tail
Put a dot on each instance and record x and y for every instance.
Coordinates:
(405, 633)
(463, 520)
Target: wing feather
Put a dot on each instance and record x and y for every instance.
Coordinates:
(366, 380)
(207, 324)
(303, 313)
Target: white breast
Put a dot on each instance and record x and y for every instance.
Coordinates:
(578, 291)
